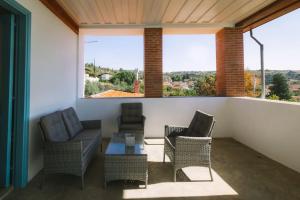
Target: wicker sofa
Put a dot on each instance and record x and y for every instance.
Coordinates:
(190, 146)
(69, 144)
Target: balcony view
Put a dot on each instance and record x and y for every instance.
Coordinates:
(149, 99)
(114, 69)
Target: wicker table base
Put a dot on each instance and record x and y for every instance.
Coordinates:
(123, 163)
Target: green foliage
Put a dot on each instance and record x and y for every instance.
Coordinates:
(280, 87)
(206, 86)
(122, 77)
(273, 97)
(97, 70)
(176, 77)
(169, 91)
(91, 88)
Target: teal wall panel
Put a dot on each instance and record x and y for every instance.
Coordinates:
(6, 94)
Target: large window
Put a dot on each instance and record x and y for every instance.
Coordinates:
(114, 66)
(282, 63)
(189, 65)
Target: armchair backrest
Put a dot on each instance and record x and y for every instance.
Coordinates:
(201, 125)
(131, 112)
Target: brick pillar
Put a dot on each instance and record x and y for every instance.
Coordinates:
(153, 62)
(230, 62)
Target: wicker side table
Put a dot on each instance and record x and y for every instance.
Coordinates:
(123, 163)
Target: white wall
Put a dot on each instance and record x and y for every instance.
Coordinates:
(271, 128)
(53, 72)
(158, 111)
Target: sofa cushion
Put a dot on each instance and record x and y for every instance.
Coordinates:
(89, 134)
(200, 125)
(72, 122)
(54, 128)
(89, 138)
(132, 112)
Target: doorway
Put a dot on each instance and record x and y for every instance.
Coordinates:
(14, 93)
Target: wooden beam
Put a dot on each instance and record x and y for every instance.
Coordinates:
(61, 14)
(270, 12)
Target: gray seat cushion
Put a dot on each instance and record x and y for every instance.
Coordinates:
(132, 112)
(88, 134)
(200, 125)
(72, 122)
(89, 138)
(53, 127)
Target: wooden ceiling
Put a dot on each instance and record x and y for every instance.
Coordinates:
(193, 13)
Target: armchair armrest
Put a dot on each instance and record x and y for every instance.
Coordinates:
(91, 124)
(171, 129)
(193, 146)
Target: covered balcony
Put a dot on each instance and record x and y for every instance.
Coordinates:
(255, 145)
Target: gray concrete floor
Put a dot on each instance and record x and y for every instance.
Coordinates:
(239, 173)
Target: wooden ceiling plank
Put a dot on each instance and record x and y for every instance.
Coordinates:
(132, 11)
(106, 11)
(83, 18)
(200, 11)
(158, 9)
(125, 11)
(187, 10)
(117, 9)
(139, 12)
(268, 13)
(235, 7)
(174, 7)
(147, 10)
(246, 10)
(109, 11)
(70, 11)
(90, 10)
(55, 7)
(215, 10)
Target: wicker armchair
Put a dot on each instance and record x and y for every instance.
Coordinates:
(69, 144)
(190, 146)
(132, 120)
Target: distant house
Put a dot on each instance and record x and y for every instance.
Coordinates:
(91, 79)
(105, 76)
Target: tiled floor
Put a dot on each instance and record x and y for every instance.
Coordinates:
(239, 173)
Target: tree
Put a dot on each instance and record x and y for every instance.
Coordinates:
(123, 76)
(206, 86)
(176, 77)
(91, 88)
(249, 84)
(280, 87)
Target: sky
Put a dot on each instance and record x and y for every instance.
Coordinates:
(281, 39)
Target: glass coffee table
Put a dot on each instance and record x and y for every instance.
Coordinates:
(125, 163)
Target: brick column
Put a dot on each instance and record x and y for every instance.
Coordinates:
(153, 62)
(230, 62)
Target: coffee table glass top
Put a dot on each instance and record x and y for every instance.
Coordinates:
(117, 146)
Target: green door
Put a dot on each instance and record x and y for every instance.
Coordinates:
(6, 94)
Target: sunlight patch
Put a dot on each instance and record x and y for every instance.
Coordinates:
(184, 189)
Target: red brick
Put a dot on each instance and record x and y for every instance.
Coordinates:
(230, 62)
(153, 62)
